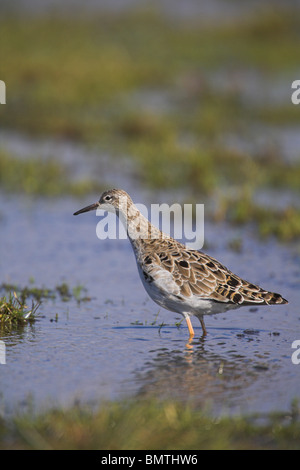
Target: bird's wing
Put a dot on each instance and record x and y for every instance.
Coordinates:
(190, 272)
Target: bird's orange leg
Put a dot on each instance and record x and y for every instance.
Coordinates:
(190, 326)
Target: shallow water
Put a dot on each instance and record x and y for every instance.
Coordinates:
(107, 348)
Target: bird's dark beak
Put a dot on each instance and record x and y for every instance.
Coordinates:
(92, 207)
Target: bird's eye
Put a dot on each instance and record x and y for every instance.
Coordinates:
(108, 198)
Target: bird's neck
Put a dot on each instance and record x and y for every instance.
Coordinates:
(138, 227)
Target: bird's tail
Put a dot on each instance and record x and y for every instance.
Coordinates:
(240, 292)
(255, 294)
(273, 298)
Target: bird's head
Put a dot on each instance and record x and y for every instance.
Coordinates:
(113, 200)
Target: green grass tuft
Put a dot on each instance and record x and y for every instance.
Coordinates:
(14, 311)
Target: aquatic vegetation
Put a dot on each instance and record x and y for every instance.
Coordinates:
(77, 291)
(154, 322)
(284, 223)
(63, 291)
(35, 176)
(146, 425)
(14, 311)
(170, 165)
(66, 293)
